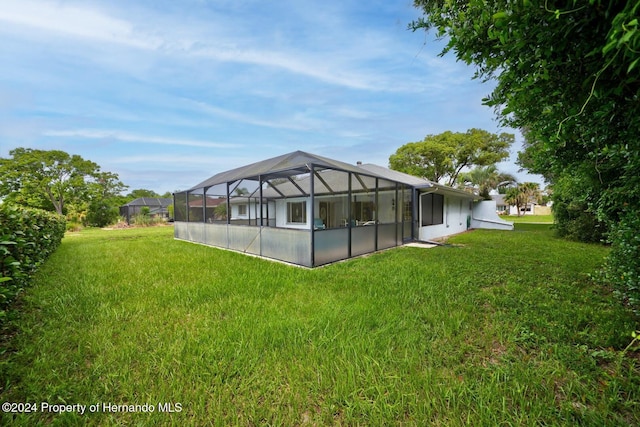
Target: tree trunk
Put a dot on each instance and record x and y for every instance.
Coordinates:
(57, 204)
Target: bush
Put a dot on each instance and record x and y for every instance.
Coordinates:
(574, 209)
(622, 269)
(142, 220)
(27, 237)
(101, 214)
(575, 221)
(74, 226)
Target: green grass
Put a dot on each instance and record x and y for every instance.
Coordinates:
(499, 328)
(529, 218)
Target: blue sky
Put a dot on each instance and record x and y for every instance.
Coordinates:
(166, 93)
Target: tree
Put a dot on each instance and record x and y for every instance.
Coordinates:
(522, 195)
(241, 191)
(142, 192)
(104, 199)
(220, 211)
(442, 157)
(53, 179)
(566, 73)
(483, 179)
(41, 178)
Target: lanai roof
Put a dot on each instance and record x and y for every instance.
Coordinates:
(280, 166)
(299, 162)
(150, 201)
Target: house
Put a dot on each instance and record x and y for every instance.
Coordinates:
(530, 209)
(310, 210)
(158, 207)
(502, 208)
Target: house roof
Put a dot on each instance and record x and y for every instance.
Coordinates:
(499, 198)
(151, 202)
(402, 177)
(443, 189)
(414, 181)
(211, 202)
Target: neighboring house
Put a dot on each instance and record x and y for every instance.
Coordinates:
(504, 209)
(158, 207)
(200, 208)
(310, 210)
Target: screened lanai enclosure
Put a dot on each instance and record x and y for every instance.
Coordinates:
(299, 208)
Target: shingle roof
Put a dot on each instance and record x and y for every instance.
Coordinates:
(402, 177)
(499, 198)
(414, 181)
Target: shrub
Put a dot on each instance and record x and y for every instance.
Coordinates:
(575, 221)
(622, 269)
(101, 214)
(27, 237)
(574, 209)
(142, 220)
(74, 226)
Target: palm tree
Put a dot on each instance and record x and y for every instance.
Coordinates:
(522, 195)
(483, 179)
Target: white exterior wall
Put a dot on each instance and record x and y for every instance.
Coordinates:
(281, 213)
(456, 212)
(235, 209)
(485, 216)
(251, 210)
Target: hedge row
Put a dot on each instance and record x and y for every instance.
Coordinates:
(27, 237)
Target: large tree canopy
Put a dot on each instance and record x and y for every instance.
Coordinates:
(44, 179)
(442, 157)
(567, 74)
(54, 179)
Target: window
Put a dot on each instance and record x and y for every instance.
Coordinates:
(242, 209)
(432, 209)
(297, 212)
(363, 211)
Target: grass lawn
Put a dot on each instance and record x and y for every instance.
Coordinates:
(529, 218)
(499, 328)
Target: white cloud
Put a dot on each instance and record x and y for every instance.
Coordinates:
(76, 21)
(129, 137)
(171, 83)
(169, 161)
(217, 41)
(295, 122)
